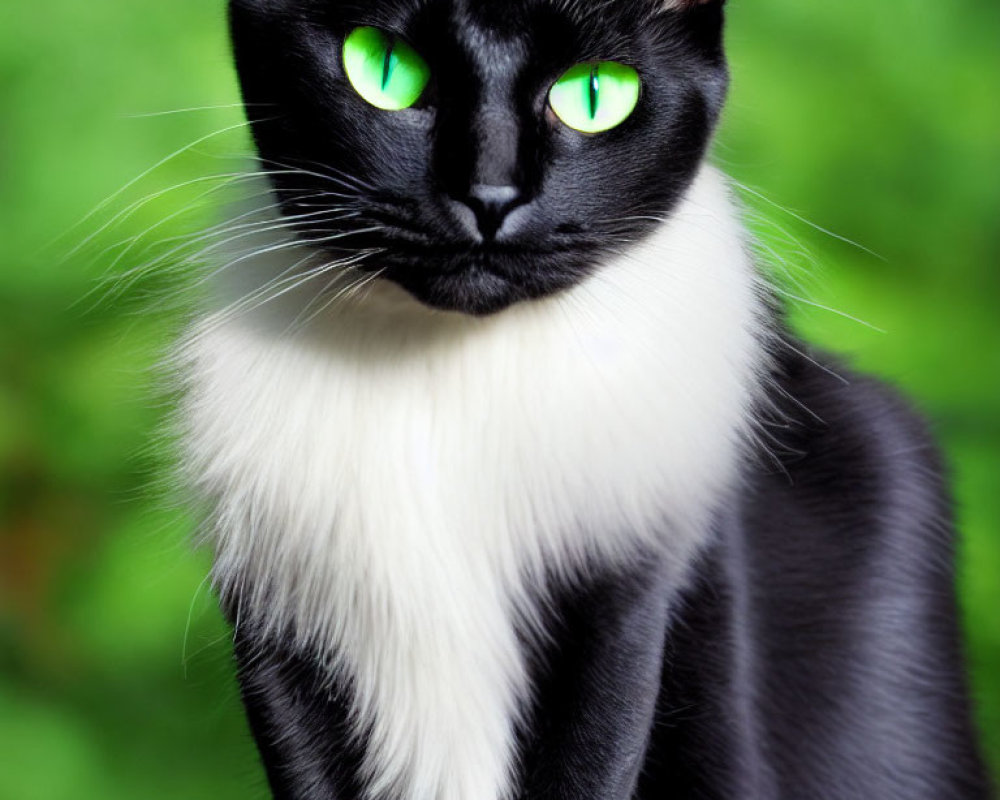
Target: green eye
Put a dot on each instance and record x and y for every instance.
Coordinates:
(595, 97)
(383, 69)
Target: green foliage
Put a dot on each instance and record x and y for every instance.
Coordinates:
(876, 121)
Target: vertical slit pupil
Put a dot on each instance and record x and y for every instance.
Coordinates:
(388, 63)
(595, 86)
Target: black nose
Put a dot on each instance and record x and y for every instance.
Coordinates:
(491, 205)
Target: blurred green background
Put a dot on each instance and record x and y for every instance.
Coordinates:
(877, 121)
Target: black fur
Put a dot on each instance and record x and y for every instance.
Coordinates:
(815, 652)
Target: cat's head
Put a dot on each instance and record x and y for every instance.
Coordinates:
(488, 151)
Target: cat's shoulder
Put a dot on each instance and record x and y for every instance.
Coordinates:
(844, 539)
(850, 449)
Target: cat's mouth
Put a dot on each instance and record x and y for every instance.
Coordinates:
(470, 277)
(477, 279)
(480, 281)
(450, 269)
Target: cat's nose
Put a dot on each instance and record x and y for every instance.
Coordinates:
(491, 205)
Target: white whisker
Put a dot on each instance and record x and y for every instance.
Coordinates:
(804, 221)
(165, 160)
(170, 112)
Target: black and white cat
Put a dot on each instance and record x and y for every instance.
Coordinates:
(521, 488)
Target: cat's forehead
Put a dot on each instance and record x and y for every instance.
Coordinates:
(509, 18)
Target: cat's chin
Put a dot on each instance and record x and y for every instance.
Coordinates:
(479, 284)
(482, 289)
(475, 291)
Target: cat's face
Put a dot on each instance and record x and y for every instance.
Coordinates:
(478, 194)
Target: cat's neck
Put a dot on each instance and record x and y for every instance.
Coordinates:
(386, 477)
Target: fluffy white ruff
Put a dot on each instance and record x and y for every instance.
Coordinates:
(389, 482)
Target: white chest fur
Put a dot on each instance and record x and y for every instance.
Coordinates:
(393, 478)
